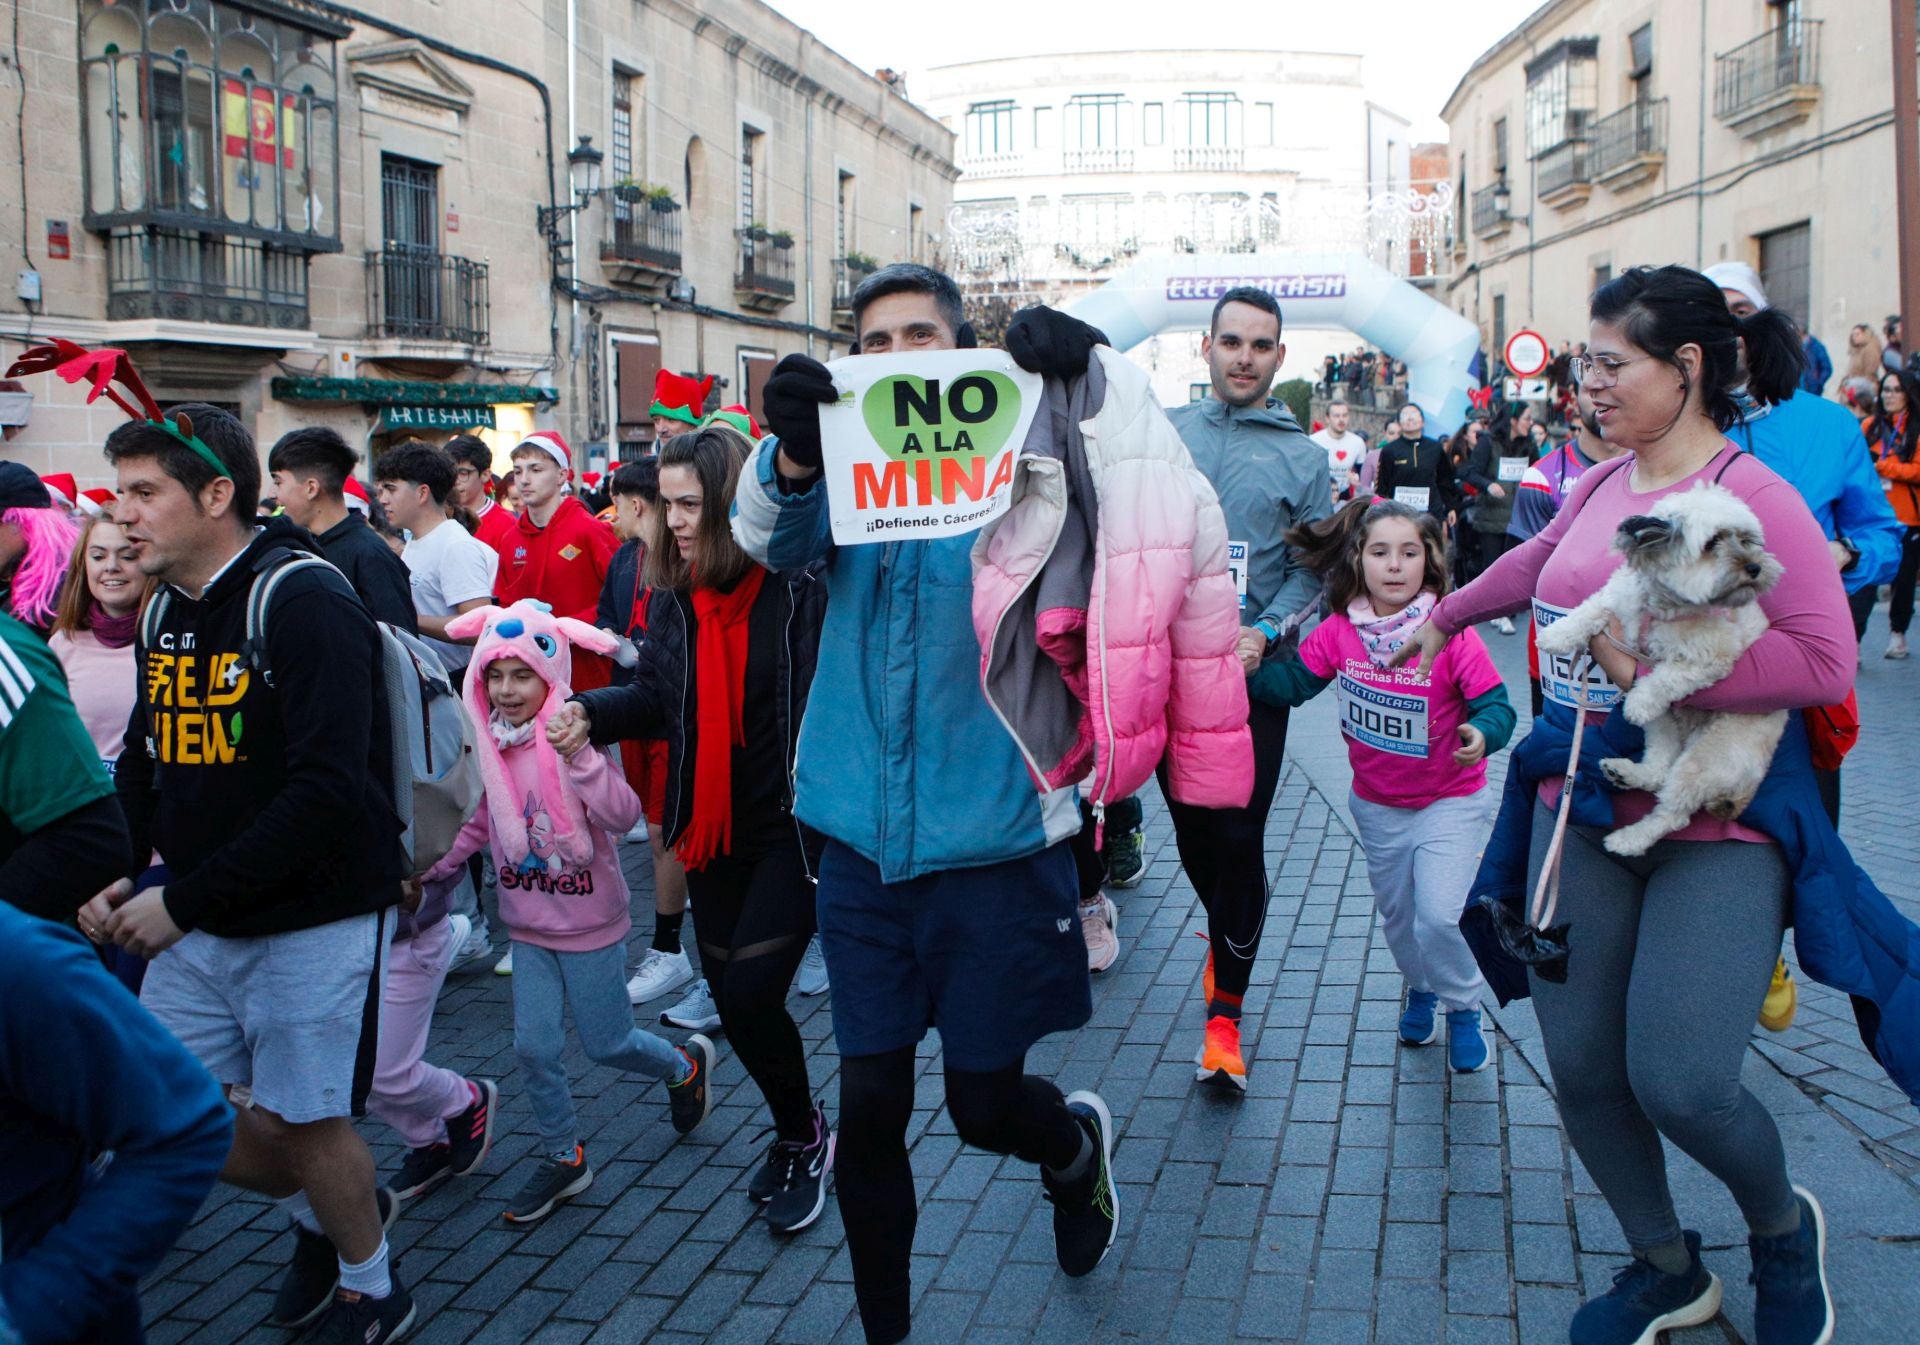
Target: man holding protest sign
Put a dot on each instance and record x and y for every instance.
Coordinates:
(1270, 476)
(946, 894)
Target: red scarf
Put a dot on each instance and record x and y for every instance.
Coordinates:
(720, 663)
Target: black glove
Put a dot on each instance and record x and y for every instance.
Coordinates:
(1046, 341)
(796, 390)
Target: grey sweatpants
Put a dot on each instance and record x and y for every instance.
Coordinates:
(1670, 957)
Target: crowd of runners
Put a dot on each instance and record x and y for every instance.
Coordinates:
(275, 756)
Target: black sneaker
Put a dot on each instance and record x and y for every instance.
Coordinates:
(552, 1182)
(804, 1169)
(359, 1320)
(470, 1134)
(306, 1290)
(1086, 1209)
(421, 1171)
(691, 1100)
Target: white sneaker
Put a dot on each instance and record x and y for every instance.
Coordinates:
(504, 967)
(658, 973)
(697, 1012)
(637, 833)
(1503, 624)
(812, 977)
(476, 946)
(1896, 646)
(1099, 925)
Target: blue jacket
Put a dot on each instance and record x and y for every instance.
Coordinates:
(1817, 446)
(84, 1069)
(900, 755)
(1819, 366)
(1846, 933)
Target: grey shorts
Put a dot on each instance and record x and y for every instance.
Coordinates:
(295, 1017)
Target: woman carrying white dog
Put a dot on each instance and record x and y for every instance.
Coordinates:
(1671, 952)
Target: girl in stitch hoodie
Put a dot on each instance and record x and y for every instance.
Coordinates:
(552, 822)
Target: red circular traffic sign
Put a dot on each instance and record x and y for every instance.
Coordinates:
(1527, 354)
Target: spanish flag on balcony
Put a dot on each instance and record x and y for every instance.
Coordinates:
(252, 130)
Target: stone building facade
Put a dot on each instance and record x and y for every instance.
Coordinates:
(311, 214)
(1602, 134)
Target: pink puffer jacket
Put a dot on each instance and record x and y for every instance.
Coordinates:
(1106, 618)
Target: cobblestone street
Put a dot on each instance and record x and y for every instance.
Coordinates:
(1357, 1193)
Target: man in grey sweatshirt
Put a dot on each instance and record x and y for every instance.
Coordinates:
(1270, 476)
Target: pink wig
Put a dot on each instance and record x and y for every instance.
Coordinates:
(49, 535)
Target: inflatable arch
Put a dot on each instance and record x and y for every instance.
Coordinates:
(1330, 289)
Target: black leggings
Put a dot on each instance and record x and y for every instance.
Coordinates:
(752, 918)
(1902, 613)
(1224, 851)
(1005, 1112)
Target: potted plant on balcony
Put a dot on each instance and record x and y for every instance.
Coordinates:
(628, 192)
(661, 199)
(781, 238)
(861, 264)
(756, 232)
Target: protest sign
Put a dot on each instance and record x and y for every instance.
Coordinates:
(922, 445)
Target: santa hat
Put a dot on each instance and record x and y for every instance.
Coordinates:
(553, 445)
(98, 501)
(530, 632)
(357, 496)
(1741, 279)
(64, 489)
(677, 397)
(740, 418)
(591, 479)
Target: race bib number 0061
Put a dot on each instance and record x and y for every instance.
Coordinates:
(1391, 721)
(1557, 682)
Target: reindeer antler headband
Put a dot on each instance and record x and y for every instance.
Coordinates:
(103, 368)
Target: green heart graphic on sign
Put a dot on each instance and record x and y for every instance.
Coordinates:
(968, 418)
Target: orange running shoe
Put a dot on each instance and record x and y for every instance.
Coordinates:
(1220, 1060)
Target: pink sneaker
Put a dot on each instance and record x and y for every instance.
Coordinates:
(1097, 923)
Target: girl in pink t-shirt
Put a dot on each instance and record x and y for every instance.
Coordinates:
(1418, 748)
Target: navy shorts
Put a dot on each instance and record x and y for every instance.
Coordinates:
(991, 956)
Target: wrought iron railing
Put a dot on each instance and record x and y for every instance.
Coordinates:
(644, 233)
(1786, 56)
(1487, 214)
(1562, 167)
(1636, 129)
(426, 296)
(765, 268)
(847, 275)
(187, 276)
(1208, 157)
(1098, 161)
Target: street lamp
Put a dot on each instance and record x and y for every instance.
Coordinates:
(1502, 198)
(583, 169)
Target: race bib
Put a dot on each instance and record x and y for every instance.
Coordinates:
(1414, 497)
(1237, 570)
(1557, 682)
(1512, 469)
(1391, 721)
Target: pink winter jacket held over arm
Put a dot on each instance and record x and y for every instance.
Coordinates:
(1106, 617)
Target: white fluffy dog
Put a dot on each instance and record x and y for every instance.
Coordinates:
(1685, 600)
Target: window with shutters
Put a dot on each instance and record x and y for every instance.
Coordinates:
(636, 364)
(620, 148)
(1786, 270)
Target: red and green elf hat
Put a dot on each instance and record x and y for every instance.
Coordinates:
(740, 418)
(677, 397)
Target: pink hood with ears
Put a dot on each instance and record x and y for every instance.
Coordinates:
(530, 632)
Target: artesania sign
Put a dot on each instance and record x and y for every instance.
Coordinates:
(923, 445)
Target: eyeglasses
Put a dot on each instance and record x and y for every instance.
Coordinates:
(1595, 370)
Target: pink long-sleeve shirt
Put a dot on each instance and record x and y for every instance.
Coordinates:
(1805, 658)
(545, 899)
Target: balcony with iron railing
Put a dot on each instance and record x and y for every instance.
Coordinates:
(183, 275)
(427, 297)
(1630, 146)
(643, 241)
(1770, 82)
(764, 280)
(1097, 160)
(1561, 177)
(848, 272)
(1214, 158)
(1490, 213)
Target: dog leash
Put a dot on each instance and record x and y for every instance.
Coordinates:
(1546, 892)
